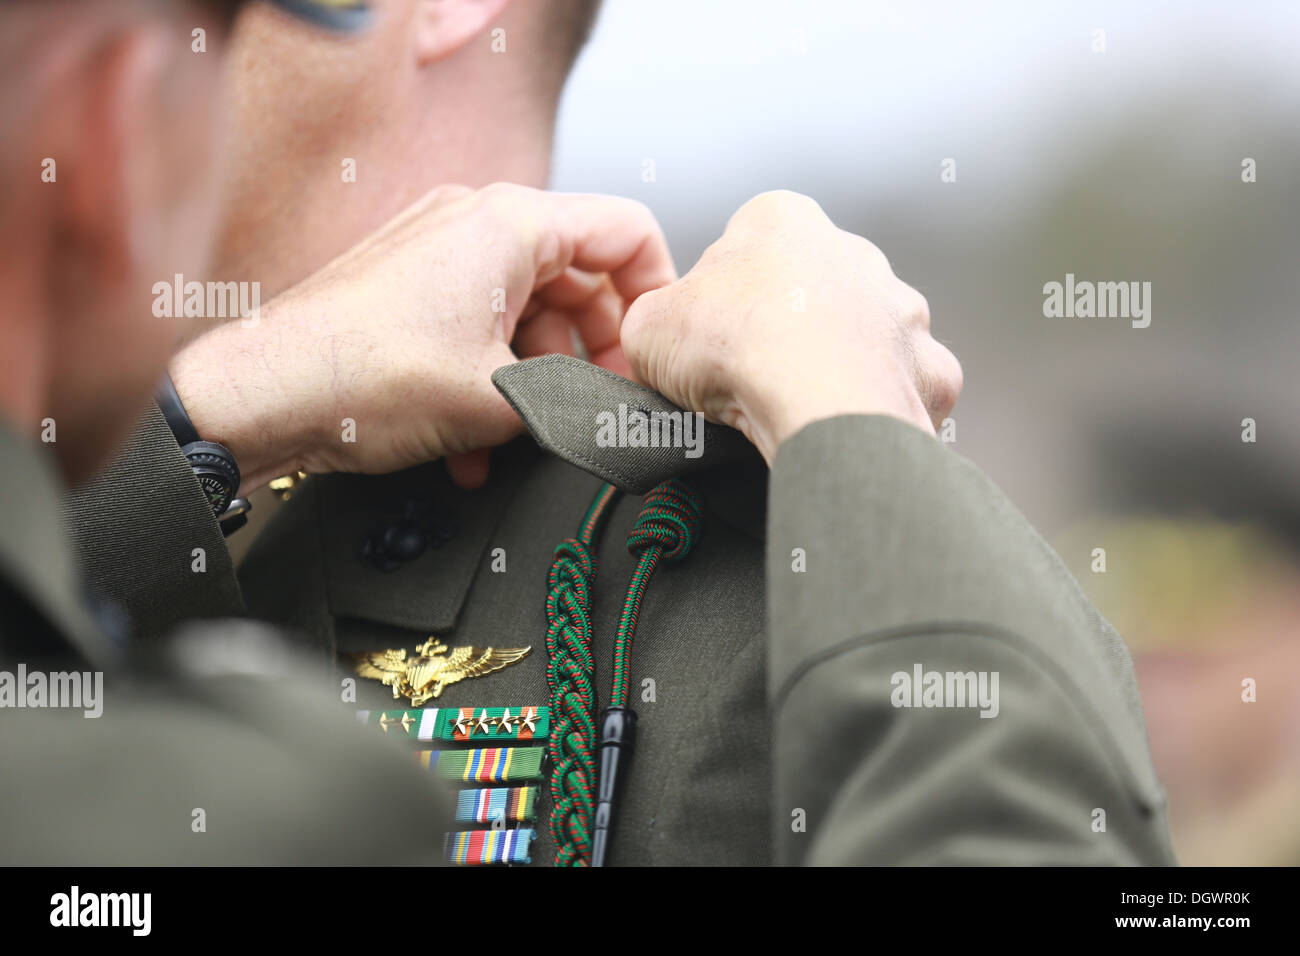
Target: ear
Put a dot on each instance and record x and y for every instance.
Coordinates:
(444, 26)
(116, 147)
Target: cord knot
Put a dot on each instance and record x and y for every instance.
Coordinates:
(669, 520)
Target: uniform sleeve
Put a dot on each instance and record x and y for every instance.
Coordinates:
(941, 690)
(246, 760)
(147, 539)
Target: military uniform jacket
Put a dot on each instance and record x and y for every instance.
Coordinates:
(202, 749)
(869, 658)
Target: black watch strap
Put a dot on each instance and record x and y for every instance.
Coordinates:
(213, 464)
(178, 420)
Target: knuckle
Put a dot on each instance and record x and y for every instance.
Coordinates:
(865, 259)
(957, 377)
(639, 315)
(777, 204)
(916, 307)
(921, 305)
(501, 198)
(508, 207)
(639, 211)
(946, 379)
(450, 192)
(871, 253)
(440, 197)
(785, 200)
(646, 221)
(500, 190)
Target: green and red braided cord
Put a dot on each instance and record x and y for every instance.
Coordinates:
(666, 529)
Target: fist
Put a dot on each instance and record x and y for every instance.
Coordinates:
(788, 319)
(400, 335)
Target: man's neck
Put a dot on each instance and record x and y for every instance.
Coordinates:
(288, 226)
(24, 353)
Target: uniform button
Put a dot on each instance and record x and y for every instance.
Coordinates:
(404, 541)
(419, 525)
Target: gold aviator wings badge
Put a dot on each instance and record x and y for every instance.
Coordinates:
(433, 668)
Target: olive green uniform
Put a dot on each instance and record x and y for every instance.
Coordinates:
(765, 663)
(212, 748)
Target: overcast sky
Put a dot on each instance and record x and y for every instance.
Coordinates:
(728, 98)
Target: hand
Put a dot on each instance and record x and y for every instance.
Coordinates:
(401, 333)
(786, 320)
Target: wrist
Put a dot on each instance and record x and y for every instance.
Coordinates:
(233, 400)
(780, 407)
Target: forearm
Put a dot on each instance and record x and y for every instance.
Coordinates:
(244, 388)
(911, 557)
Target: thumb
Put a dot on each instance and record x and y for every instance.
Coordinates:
(493, 423)
(469, 469)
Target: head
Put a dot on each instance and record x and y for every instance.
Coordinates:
(333, 136)
(110, 116)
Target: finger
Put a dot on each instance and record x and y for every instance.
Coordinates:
(613, 359)
(649, 321)
(469, 469)
(483, 418)
(553, 332)
(572, 287)
(549, 332)
(593, 305)
(606, 234)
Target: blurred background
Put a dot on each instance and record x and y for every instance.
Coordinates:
(1105, 140)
